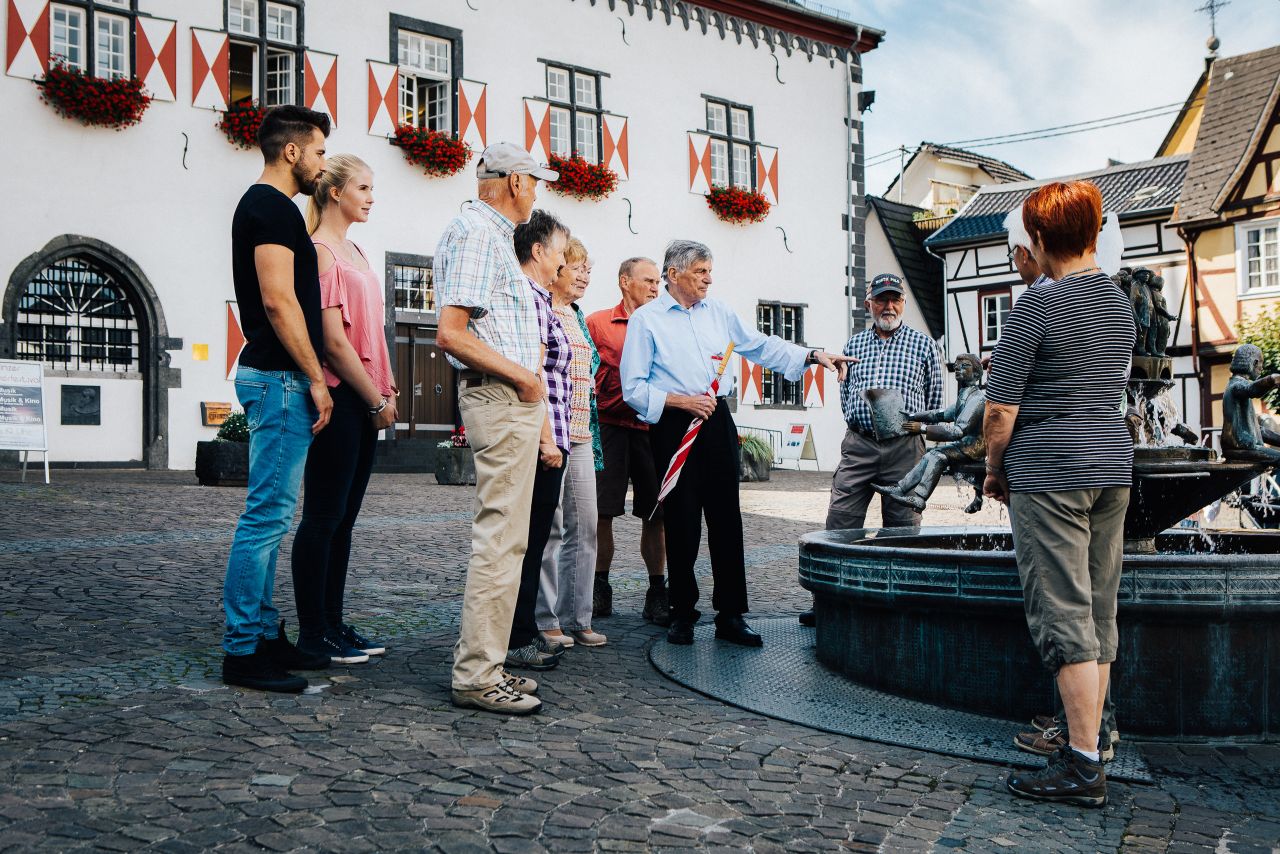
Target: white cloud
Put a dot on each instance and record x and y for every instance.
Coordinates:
(960, 69)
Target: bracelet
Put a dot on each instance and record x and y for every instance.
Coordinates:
(377, 409)
(994, 469)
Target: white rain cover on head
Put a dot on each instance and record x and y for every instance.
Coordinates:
(1110, 245)
(1017, 231)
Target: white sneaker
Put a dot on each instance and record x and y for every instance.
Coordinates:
(499, 699)
(560, 640)
(587, 637)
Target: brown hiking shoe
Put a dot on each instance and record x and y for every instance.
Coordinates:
(500, 699)
(1069, 778)
(657, 607)
(1041, 743)
(1044, 722)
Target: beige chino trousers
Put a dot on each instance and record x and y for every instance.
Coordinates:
(503, 432)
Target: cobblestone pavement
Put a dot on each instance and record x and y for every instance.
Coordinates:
(116, 735)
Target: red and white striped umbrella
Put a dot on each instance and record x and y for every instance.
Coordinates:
(682, 453)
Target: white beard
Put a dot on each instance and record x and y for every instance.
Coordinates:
(886, 325)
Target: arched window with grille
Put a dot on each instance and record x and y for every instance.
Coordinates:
(74, 316)
(91, 315)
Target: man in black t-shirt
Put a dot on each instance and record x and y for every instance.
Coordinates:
(280, 385)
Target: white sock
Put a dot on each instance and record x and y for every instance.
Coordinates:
(1092, 756)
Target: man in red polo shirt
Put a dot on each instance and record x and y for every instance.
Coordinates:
(627, 456)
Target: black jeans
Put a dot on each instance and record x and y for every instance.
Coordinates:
(337, 473)
(708, 486)
(546, 498)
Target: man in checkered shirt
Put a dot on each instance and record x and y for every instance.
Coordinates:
(891, 355)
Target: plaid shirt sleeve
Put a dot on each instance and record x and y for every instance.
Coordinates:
(466, 269)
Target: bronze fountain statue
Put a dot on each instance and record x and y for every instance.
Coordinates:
(1243, 438)
(967, 445)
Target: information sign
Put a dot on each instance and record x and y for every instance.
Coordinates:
(22, 426)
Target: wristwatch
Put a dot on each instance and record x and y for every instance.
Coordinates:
(812, 358)
(374, 410)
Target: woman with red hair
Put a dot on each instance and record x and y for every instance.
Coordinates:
(1059, 455)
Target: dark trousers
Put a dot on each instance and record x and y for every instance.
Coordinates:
(546, 498)
(337, 473)
(708, 487)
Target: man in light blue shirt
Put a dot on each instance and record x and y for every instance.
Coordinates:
(673, 349)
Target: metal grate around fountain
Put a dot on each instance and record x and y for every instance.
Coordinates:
(784, 680)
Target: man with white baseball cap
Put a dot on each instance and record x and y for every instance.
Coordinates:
(489, 330)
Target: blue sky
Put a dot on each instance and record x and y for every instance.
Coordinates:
(961, 69)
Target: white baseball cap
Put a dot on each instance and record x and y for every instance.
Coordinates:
(505, 158)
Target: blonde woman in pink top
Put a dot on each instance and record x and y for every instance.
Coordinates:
(357, 369)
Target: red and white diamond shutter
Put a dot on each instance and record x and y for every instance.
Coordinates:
(767, 173)
(158, 57)
(235, 338)
(320, 83)
(210, 69)
(26, 44)
(473, 114)
(699, 163)
(384, 98)
(815, 386)
(750, 382)
(616, 145)
(537, 129)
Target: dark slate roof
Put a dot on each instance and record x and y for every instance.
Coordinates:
(1242, 95)
(1000, 172)
(1128, 189)
(923, 271)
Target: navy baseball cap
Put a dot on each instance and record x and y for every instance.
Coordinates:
(885, 283)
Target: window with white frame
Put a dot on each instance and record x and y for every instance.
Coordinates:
(732, 146)
(95, 36)
(242, 17)
(574, 115)
(265, 52)
(112, 49)
(66, 35)
(426, 80)
(413, 286)
(787, 322)
(995, 310)
(1260, 256)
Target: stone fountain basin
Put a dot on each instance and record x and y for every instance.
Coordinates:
(936, 614)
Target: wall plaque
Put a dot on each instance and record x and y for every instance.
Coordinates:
(82, 405)
(212, 414)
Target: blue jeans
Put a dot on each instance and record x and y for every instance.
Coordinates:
(278, 407)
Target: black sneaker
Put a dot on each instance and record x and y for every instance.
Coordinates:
(289, 657)
(657, 607)
(602, 597)
(332, 649)
(259, 671)
(353, 638)
(1069, 778)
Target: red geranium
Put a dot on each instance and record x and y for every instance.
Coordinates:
(582, 179)
(438, 153)
(74, 94)
(736, 205)
(241, 123)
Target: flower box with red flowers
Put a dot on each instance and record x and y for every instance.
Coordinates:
(95, 101)
(581, 178)
(241, 122)
(438, 153)
(736, 205)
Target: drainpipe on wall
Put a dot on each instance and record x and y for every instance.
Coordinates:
(946, 318)
(848, 183)
(1193, 280)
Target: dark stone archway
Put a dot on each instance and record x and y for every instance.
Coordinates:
(153, 332)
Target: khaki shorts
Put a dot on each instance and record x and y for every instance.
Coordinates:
(1069, 545)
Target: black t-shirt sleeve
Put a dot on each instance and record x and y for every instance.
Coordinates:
(275, 222)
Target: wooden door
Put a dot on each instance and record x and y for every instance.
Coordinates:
(428, 385)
